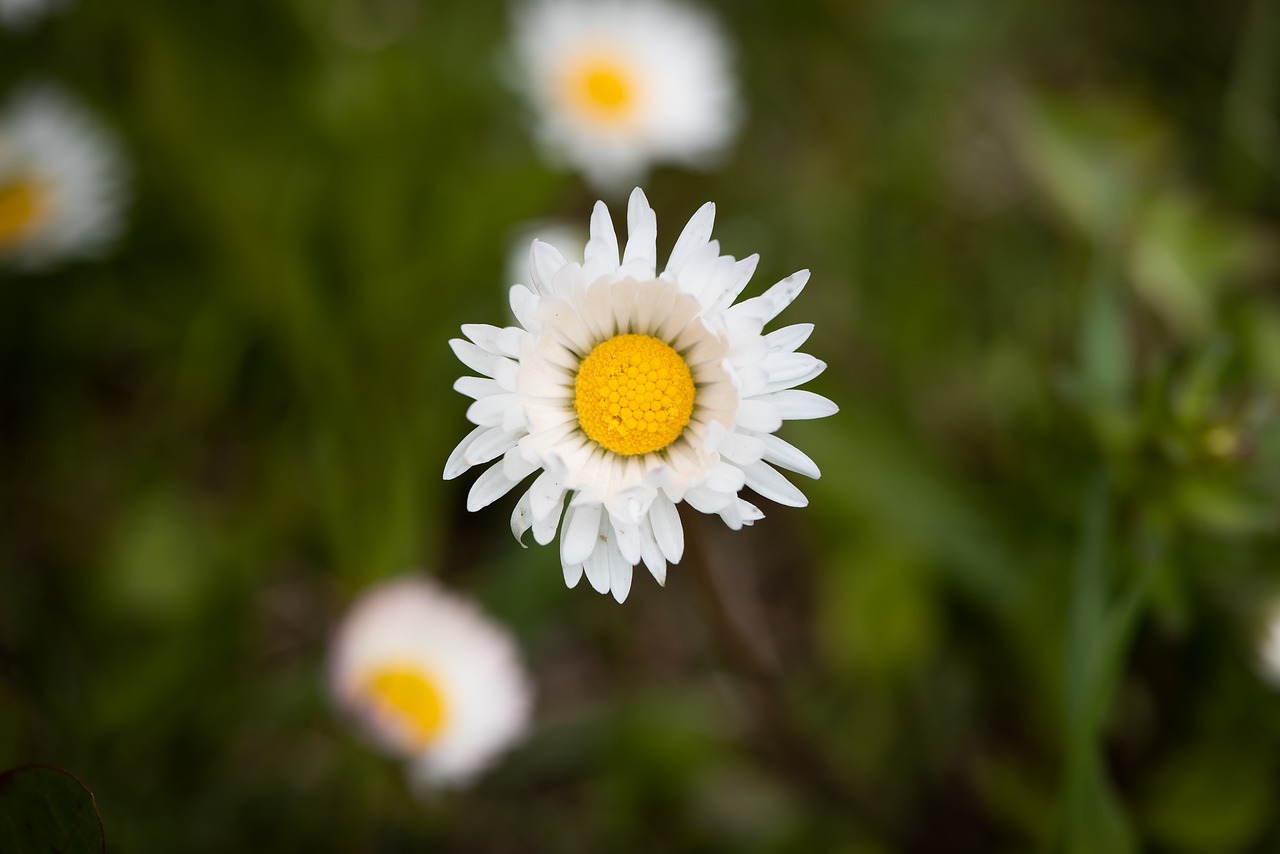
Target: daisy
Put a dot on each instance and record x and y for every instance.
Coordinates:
(61, 181)
(21, 14)
(429, 679)
(628, 391)
(1269, 647)
(617, 85)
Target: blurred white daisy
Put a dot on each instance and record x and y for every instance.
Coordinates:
(61, 181)
(430, 679)
(630, 391)
(1269, 647)
(617, 85)
(21, 14)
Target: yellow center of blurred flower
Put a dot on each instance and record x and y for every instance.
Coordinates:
(633, 394)
(601, 89)
(23, 203)
(413, 701)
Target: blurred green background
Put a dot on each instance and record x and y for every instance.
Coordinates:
(1021, 612)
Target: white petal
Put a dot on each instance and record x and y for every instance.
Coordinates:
(695, 235)
(597, 310)
(742, 273)
(524, 305)
(580, 533)
(641, 255)
(767, 481)
(697, 271)
(627, 536)
(521, 519)
(456, 464)
(653, 303)
(544, 530)
(544, 262)
(783, 453)
(741, 448)
(601, 254)
(567, 325)
(724, 478)
(546, 495)
(502, 340)
(787, 370)
(740, 513)
(494, 443)
(490, 486)
(652, 555)
(759, 415)
(798, 405)
(489, 364)
(770, 304)
(492, 411)
(597, 567)
(477, 387)
(789, 338)
(619, 574)
(623, 299)
(572, 574)
(666, 528)
(517, 466)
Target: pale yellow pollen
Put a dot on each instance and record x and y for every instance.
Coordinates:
(24, 202)
(601, 89)
(407, 696)
(633, 394)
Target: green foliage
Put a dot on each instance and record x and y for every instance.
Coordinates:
(47, 809)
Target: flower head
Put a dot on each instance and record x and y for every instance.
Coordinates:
(430, 679)
(61, 181)
(629, 391)
(617, 85)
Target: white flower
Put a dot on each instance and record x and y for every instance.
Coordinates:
(630, 391)
(430, 679)
(21, 14)
(1269, 647)
(617, 85)
(61, 181)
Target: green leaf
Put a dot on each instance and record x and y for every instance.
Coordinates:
(44, 809)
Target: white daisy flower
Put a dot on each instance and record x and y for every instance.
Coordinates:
(61, 181)
(1269, 647)
(21, 14)
(630, 391)
(429, 679)
(617, 85)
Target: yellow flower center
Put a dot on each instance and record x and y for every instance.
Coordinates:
(23, 203)
(602, 89)
(633, 394)
(408, 697)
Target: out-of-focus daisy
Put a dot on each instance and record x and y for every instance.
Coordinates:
(1269, 647)
(429, 679)
(630, 391)
(21, 14)
(61, 181)
(618, 85)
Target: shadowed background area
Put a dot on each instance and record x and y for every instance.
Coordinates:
(1021, 611)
